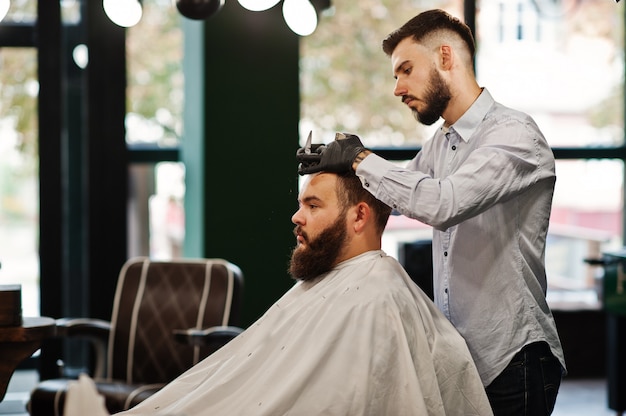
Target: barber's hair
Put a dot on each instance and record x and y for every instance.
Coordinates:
(427, 24)
(350, 192)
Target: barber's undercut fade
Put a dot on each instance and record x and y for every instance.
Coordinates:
(350, 192)
(427, 24)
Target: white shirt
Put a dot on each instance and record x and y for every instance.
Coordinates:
(486, 187)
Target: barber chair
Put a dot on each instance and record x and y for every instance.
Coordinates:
(417, 259)
(167, 316)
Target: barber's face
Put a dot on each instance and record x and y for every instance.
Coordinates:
(320, 229)
(418, 82)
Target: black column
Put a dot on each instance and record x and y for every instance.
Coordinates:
(252, 110)
(83, 170)
(51, 207)
(616, 361)
(107, 158)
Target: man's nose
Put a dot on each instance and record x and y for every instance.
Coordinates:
(296, 218)
(399, 89)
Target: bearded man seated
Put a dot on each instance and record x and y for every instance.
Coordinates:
(353, 336)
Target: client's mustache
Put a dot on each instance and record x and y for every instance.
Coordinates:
(297, 231)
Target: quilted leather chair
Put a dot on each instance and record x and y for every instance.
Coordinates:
(167, 316)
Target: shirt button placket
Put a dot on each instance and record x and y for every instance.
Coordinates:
(446, 279)
(453, 139)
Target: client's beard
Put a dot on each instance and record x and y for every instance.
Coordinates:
(320, 254)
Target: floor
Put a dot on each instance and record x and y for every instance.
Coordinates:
(14, 403)
(585, 397)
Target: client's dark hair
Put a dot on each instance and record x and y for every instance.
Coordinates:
(350, 192)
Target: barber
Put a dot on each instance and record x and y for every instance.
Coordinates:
(484, 182)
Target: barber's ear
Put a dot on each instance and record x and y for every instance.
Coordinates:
(446, 57)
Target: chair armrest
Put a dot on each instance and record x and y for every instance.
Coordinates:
(83, 327)
(96, 331)
(215, 336)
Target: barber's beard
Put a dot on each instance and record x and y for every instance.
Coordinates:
(320, 254)
(437, 97)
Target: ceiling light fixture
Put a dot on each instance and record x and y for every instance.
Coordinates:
(300, 16)
(4, 8)
(258, 5)
(199, 9)
(124, 13)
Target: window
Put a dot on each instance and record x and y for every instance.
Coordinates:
(575, 96)
(153, 132)
(19, 184)
(561, 62)
(19, 180)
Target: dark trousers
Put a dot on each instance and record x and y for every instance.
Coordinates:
(528, 385)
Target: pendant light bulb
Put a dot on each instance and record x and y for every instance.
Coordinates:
(124, 13)
(300, 16)
(258, 5)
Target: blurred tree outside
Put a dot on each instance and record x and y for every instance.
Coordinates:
(18, 124)
(18, 104)
(19, 163)
(591, 21)
(346, 79)
(155, 76)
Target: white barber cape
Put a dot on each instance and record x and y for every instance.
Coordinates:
(363, 340)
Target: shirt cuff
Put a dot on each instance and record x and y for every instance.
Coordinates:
(371, 172)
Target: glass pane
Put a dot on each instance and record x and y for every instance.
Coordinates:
(70, 11)
(156, 210)
(22, 11)
(155, 77)
(346, 79)
(167, 214)
(586, 221)
(154, 118)
(19, 176)
(561, 62)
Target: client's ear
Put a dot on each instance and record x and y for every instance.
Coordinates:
(363, 215)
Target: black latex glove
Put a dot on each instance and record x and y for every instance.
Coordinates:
(311, 156)
(336, 157)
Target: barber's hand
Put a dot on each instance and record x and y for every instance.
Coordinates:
(309, 155)
(336, 157)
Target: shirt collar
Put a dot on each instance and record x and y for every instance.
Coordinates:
(471, 119)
